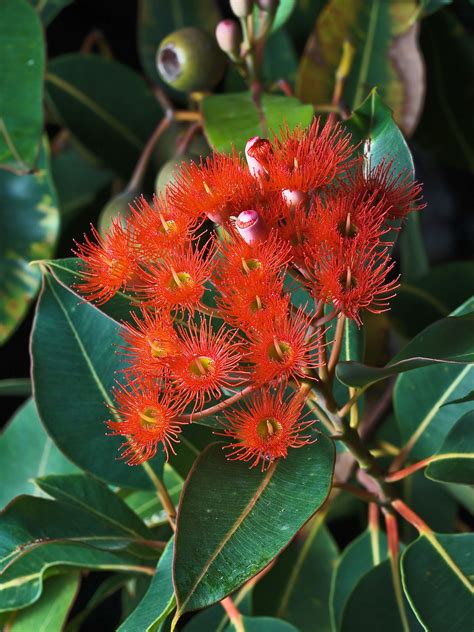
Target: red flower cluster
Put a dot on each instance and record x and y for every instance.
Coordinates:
(218, 318)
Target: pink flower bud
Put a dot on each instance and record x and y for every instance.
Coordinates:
(251, 227)
(256, 151)
(241, 8)
(294, 198)
(228, 36)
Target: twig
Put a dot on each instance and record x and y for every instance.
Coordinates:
(217, 408)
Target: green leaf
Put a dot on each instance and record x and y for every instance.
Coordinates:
(297, 587)
(157, 19)
(414, 260)
(358, 558)
(105, 105)
(446, 128)
(262, 512)
(51, 611)
(77, 181)
(440, 565)
(454, 461)
(26, 452)
(147, 505)
(75, 365)
(449, 340)
(15, 387)
(22, 52)
(376, 29)
(373, 601)
(39, 535)
(30, 225)
(215, 617)
(49, 9)
(159, 600)
(231, 119)
(430, 6)
(418, 397)
(431, 297)
(282, 15)
(108, 587)
(265, 624)
(280, 60)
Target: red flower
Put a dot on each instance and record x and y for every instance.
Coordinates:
(108, 263)
(206, 362)
(158, 228)
(150, 343)
(283, 349)
(265, 429)
(399, 194)
(219, 187)
(305, 159)
(177, 281)
(150, 418)
(354, 279)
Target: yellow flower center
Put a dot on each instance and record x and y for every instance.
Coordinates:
(268, 427)
(279, 351)
(151, 417)
(202, 366)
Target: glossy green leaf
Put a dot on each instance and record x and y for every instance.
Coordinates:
(265, 624)
(27, 452)
(30, 223)
(159, 18)
(430, 6)
(107, 107)
(39, 534)
(432, 297)
(373, 601)
(358, 558)
(261, 513)
(442, 566)
(282, 15)
(215, 617)
(454, 461)
(77, 181)
(419, 397)
(449, 340)
(297, 587)
(15, 387)
(376, 29)
(231, 119)
(147, 505)
(446, 127)
(50, 612)
(108, 587)
(22, 52)
(280, 60)
(159, 600)
(75, 365)
(414, 260)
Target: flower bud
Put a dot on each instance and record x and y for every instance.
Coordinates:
(294, 198)
(269, 6)
(168, 172)
(251, 227)
(241, 8)
(116, 207)
(256, 152)
(190, 60)
(229, 37)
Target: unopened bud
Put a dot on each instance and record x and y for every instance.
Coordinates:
(241, 8)
(294, 198)
(269, 6)
(117, 208)
(257, 151)
(229, 37)
(251, 227)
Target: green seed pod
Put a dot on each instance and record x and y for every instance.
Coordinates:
(168, 172)
(116, 207)
(190, 60)
(241, 8)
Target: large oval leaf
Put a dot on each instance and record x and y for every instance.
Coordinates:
(105, 105)
(233, 520)
(231, 119)
(75, 365)
(26, 452)
(21, 84)
(30, 223)
(454, 461)
(441, 565)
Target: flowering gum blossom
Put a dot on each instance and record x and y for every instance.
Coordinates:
(251, 148)
(251, 227)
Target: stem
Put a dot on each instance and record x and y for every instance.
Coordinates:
(212, 410)
(349, 404)
(360, 493)
(407, 471)
(325, 319)
(410, 516)
(393, 552)
(163, 495)
(140, 168)
(187, 115)
(337, 345)
(233, 614)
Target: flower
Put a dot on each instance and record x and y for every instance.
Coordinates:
(206, 362)
(108, 263)
(151, 342)
(264, 429)
(149, 414)
(283, 349)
